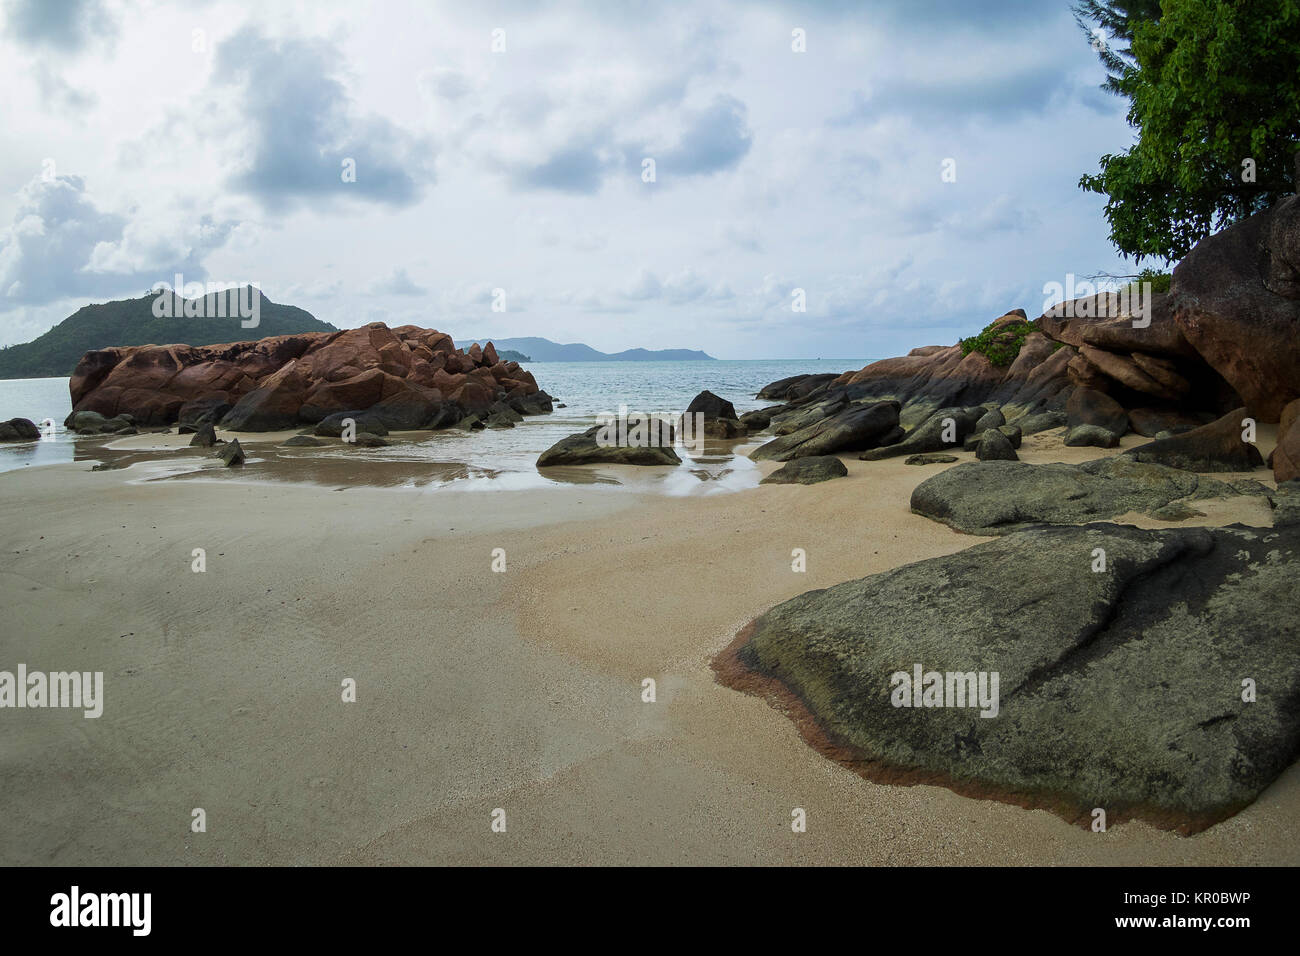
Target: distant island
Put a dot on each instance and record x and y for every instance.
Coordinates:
(544, 350)
(132, 322)
(510, 355)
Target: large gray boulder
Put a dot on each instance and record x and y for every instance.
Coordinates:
(89, 422)
(585, 449)
(711, 406)
(854, 427)
(807, 471)
(19, 429)
(1091, 436)
(995, 446)
(1119, 688)
(998, 497)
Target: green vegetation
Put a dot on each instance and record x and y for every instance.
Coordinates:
(1159, 280)
(132, 322)
(999, 345)
(510, 355)
(1108, 24)
(1215, 97)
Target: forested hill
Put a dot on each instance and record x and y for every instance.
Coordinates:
(132, 322)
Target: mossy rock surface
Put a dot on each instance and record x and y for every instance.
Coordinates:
(1119, 689)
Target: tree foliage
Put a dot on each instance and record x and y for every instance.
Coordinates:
(1214, 91)
(1109, 28)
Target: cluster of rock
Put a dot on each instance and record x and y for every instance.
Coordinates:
(93, 423)
(1221, 345)
(1133, 681)
(1163, 687)
(406, 378)
(653, 445)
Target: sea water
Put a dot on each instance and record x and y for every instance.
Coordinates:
(587, 389)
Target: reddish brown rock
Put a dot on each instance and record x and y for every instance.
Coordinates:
(1125, 371)
(1092, 321)
(1087, 406)
(1164, 371)
(1086, 375)
(409, 376)
(91, 371)
(1237, 301)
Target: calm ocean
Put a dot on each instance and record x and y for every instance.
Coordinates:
(587, 388)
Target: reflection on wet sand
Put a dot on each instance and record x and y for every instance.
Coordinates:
(416, 462)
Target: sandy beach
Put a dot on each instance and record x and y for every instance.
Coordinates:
(476, 690)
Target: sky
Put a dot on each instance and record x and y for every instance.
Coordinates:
(482, 168)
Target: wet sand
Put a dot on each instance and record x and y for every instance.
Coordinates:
(476, 690)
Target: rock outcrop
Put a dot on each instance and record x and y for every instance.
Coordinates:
(1225, 336)
(1237, 303)
(406, 377)
(852, 426)
(1119, 689)
(999, 497)
(944, 430)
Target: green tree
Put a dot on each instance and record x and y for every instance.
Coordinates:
(1214, 90)
(1108, 25)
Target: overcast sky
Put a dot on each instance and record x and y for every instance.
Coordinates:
(142, 139)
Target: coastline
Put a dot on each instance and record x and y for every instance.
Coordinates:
(222, 688)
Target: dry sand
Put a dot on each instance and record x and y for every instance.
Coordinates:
(476, 690)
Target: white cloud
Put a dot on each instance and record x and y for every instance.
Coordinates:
(774, 169)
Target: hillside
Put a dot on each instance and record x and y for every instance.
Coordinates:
(132, 322)
(544, 350)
